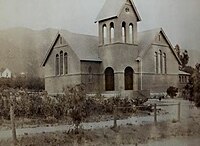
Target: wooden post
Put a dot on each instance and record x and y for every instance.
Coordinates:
(155, 114)
(12, 118)
(179, 111)
(115, 117)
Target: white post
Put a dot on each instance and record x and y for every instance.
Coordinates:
(141, 75)
(179, 111)
(12, 118)
(115, 117)
(155, 114)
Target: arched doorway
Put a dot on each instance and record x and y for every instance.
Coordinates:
(128, 77)
(109, 79)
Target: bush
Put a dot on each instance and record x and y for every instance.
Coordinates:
(32, 83)
(76, 104)
(192, 89)
(172, 91)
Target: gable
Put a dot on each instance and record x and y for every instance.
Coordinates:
(7, 71)
(127, 11)
(60, 42)
(84, 46)
(160, 39)
(147, 38)
(112, 8)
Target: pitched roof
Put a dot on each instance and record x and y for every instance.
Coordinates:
(146, 39)
(183, 73)
(112, 8)
(85, 46)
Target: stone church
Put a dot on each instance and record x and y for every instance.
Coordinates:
(120, 60)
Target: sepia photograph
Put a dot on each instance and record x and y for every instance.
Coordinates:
(99, 73)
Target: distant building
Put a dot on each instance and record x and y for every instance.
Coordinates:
(5, 73)
(120, 60)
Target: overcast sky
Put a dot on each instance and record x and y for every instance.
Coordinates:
(179, 18)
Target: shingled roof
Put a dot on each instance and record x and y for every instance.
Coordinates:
(85, 46)
(112, 8)
(146, 39)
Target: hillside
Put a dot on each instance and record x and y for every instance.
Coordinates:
(22, 49)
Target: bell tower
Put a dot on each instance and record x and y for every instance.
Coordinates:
(117, 22)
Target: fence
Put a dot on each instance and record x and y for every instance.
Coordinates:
(155, 113)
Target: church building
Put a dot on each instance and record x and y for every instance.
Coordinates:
(120, 60)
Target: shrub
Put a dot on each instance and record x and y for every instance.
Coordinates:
(76, 104)
(172, 91)
(192, 89)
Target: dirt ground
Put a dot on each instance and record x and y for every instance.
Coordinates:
(122, 135)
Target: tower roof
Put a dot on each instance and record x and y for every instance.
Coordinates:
(112, 8)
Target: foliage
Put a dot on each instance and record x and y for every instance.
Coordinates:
(192, 89)
(184, 57)
(31, 83)
(172, 91)
(76, 103)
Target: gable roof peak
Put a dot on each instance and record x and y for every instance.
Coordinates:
(146, 39)
(84, 46)
(112, 9)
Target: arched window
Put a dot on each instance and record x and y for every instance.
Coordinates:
(123, 32)
(128, 78)
(164, 63)
(161, 62)
(65, 63)
(112, 32)
(104, 34)
(109, 79)
(131, 33)
(61, 62)
(156, 62)
(57, 64)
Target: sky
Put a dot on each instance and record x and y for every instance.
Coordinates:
(179, 18)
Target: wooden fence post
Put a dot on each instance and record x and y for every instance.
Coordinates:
(155, 114)
(12, 118)
(179, 111)
(115, 117)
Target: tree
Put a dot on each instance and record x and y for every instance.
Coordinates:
(177, 49)
(192, 89)
(183, 56)
(76, 104)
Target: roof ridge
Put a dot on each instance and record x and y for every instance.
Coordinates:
(153, 29)
(76, 33)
